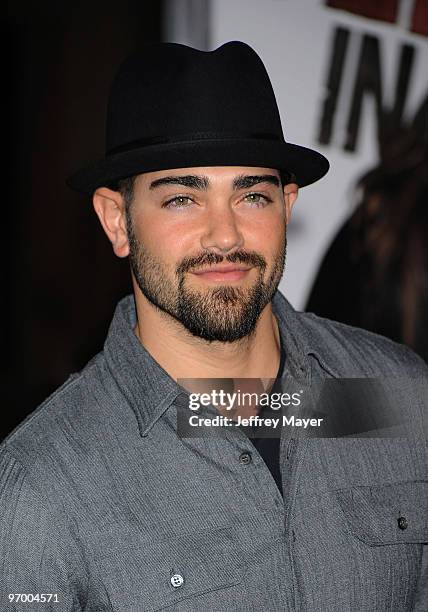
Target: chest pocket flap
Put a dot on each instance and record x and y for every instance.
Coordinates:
(387, 514)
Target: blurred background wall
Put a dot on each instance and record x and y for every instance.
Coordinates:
(336, 65)
(62, 279)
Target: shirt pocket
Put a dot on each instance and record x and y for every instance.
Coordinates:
(158, 575)
(379, 515)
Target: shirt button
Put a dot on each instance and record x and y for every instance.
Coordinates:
(177, 580)
(402, 522)
(245, 458)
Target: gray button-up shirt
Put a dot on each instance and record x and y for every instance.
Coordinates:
(104, 507)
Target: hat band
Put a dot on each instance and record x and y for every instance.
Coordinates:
(158, 140)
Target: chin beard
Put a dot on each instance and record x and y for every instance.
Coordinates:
(224, 313)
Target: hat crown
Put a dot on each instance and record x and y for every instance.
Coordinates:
(172, 106)
(170, 92)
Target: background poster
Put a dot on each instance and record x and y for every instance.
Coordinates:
(337, 68)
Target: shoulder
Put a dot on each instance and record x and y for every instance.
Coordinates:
(399, 375)
(49, 418)
(352, 351)
(65, 428)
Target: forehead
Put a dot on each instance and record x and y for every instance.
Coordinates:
(214, 174)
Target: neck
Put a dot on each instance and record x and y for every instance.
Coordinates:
(182, 355)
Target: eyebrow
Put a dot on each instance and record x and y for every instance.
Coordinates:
(244, 181)
(202, 182)
(190, 180)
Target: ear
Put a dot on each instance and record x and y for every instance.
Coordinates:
(110, 208)
(291, 191)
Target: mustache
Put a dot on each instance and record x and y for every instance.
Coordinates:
(205, 259)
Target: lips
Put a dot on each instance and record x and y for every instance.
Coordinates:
(223, 273)
(222, 269)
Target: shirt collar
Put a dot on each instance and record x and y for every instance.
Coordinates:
(150, 390)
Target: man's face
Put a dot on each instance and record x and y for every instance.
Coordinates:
(207, 245)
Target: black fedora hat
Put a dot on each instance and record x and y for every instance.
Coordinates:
(172, 106)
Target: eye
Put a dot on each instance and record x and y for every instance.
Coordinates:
(177, 202)
(257, 199)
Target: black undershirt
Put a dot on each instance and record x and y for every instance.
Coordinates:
(269, 447)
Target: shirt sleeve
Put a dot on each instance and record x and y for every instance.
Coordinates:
(41, 566)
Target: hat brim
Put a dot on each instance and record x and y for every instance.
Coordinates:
(306, 164)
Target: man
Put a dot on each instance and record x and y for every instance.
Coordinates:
(104, 504)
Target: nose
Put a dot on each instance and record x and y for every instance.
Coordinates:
(222, 233)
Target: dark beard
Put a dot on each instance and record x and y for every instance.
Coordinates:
(225, 313)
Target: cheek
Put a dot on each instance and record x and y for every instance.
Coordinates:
(266, 235)
(168, 242)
